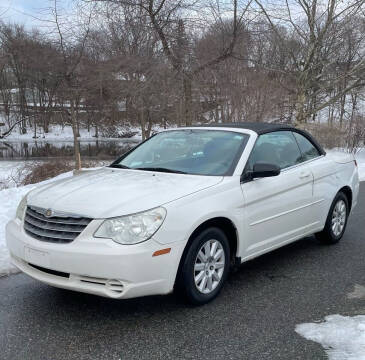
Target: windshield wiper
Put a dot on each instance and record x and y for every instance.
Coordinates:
(161, 169)
(119, 166)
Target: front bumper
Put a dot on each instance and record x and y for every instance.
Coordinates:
(96, 266)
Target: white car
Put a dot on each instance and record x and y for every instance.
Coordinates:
(180, 209)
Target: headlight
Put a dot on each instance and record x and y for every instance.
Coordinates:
(21, 208)
(132, 229)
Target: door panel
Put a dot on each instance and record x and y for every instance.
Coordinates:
(324, 178)
(325, 186)
(277, 208)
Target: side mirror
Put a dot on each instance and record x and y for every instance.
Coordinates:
(260, 170)
(264, 170)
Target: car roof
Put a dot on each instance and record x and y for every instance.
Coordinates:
(263, 128)
(258, 127)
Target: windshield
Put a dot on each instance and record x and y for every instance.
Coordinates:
(200, 152)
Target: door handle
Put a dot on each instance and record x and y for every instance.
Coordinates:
(304, 175)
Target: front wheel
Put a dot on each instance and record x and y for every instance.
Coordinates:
(205, 266)
(336, 220)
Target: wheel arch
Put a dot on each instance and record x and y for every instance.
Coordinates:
(224, 224)
(348, 192)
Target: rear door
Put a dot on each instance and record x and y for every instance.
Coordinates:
(277, 209)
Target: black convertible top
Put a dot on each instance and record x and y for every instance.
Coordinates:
(262, 128)
(258, 127)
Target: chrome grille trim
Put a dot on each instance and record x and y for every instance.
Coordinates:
(56, 228)
(57, 218)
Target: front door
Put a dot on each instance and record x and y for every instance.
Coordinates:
(277, 209)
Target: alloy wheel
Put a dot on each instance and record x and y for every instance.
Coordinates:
(209, 266)
(338, 218)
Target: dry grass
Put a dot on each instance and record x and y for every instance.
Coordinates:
(39, 171)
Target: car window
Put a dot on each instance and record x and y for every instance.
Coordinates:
(200, 152)
(278, 148)
(309, 151)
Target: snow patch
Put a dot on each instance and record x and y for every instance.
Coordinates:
(9, 200)
(343, 337)
(358, 293)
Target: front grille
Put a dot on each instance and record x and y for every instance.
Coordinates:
(57, 229)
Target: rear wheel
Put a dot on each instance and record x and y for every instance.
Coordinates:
(205, 267)
(336, 220)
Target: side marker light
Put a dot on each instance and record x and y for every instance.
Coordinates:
(161, 252)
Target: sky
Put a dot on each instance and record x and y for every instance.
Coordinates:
(27, 12)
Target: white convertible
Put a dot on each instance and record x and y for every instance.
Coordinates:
(180, 209)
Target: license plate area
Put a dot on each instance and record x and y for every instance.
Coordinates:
(36, 257)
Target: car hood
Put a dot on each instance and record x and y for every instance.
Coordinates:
(114, 192)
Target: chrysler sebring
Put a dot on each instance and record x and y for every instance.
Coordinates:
(181, 209)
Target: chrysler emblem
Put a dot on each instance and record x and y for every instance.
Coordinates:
(48, 212)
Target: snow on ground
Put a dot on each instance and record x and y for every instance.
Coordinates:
(343, 337)
(8, 173)
(56, 132)
(64, 133)
(9, 200)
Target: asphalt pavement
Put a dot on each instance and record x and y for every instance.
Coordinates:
(253, 318)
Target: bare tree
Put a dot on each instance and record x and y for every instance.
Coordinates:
(167, 19)
(15, 42)
(148, 62)
(310, 41)
(71, 43)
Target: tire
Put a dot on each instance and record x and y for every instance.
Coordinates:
(331, 234)
(201, 281)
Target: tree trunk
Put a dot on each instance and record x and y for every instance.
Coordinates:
(300, 116)
(35, 129)
(75, 135)
(188, 101)
(223, 117)
(77, 123)
(149, 125)
(22, 111)
(342, 109)
(45, 123)
(179, 112)
(216, 113)
(332, 111)
(142, 122)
